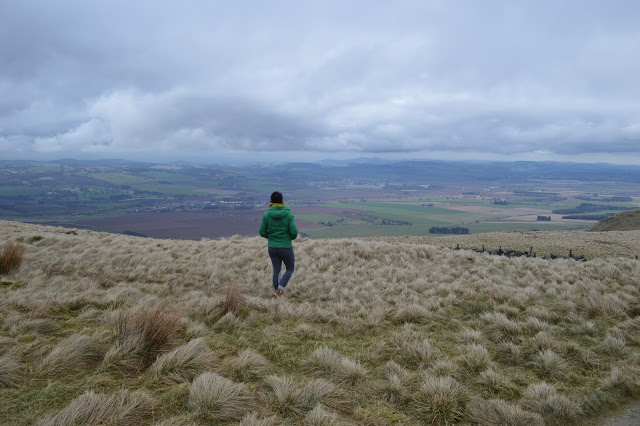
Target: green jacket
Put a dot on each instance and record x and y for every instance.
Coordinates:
(279, 226)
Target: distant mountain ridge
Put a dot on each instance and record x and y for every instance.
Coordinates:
(624, 221)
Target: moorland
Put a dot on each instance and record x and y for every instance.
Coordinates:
(100, 328)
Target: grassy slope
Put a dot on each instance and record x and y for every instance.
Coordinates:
(623, 221)
(590, 244)
(370, 332)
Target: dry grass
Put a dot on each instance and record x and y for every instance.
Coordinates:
(10, 372)
(73, 353)
(216, 398)
(124, 408)
(140, 335)
(440, 400)
(590, 244)
(495, 412)
(11, 257)
(184, 363)
(556, 409)
(249, 365)
(292, 399)
(390, 332)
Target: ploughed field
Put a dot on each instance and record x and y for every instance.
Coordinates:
(100, 328)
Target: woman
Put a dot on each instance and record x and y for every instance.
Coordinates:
(279, 227)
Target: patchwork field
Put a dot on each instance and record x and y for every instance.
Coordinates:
(99, 328)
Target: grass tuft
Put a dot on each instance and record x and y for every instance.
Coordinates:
(248, 365)
(320, 416)
(475, 358)
(73, 353)
(234, 302)
(495, 383)
(500, 327)
(412, 314)
(500, 412)
(291, 399)
(439, 400)
(184, 363)
(420, 352)
(125, 408)
(252, 419)
(140, 336)
(10, 372)
(324, 360)
(218, 399)
(556, 409)
(11, 258)
(550, 364)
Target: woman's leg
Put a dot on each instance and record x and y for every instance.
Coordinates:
(276, 261)
(289, 260)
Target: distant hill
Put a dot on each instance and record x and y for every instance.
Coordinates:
(624, 221)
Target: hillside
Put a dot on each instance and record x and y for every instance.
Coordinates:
(623, 221)
(589, 244)
(115, 329)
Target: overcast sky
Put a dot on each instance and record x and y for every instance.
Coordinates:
(214, 80)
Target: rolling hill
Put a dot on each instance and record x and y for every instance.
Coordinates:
(623, 221)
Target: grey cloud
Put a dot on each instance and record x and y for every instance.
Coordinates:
(408, 76)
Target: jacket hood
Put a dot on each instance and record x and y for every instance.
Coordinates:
(278, 212)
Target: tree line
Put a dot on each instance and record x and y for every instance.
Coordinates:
(449, 230)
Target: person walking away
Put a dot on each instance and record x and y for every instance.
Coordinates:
(279, 227)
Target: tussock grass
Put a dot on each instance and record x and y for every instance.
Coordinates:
(124, 408)
(248, 365)
(216, 398)
(252, 419)
(500, 327)
(371, 332)
(550, 364)
(184, 363)
(545, 400)
(324, 360)
(474, 358)
(75, 352)
(10, 372)
(623, 381)
(20, 326)
(440, 400)
(496, 383)
(140, 335)
(320, 416)
(11, 257)
(294, 400)
(234, 302)
(499, 412)
(395, 387)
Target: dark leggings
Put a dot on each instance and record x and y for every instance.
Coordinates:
(278, 256)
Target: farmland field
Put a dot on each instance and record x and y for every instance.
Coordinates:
(404, 198)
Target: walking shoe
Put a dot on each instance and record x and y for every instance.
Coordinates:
(279, 293)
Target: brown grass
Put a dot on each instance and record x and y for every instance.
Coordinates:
(140, 336)
(11, 257)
